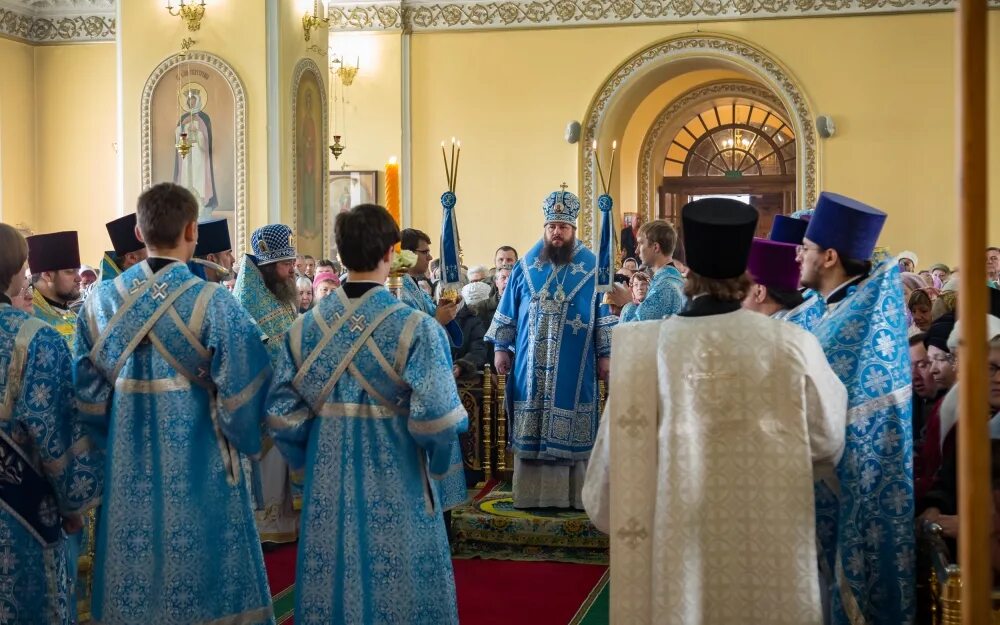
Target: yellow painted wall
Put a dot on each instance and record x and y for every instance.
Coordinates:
(509, 95)
(233, 30)
(373, 102)
(17, 134)
(76, 139)
(294, 48)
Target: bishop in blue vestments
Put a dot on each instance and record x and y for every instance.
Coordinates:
(864, 513)
(49, 472)
(553, 334)
(171, 377)
(265, 287)
(364, 400)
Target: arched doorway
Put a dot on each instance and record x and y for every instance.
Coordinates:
(617, 100)
(735, 147)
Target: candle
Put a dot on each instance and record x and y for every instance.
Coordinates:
(611, 173)
(392, 189)
(447, 170)
(454, 168)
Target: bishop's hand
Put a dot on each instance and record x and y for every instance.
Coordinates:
(619, 295)
(501, 360)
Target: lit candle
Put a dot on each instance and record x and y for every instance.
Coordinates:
(392, 189)
(611, 172)
(454, 168)
(447, 170)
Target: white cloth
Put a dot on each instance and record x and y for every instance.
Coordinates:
(706, 486)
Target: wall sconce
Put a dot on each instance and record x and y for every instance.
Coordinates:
(345, 73)
(189, 12)
(320, 17)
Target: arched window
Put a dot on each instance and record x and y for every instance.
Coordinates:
(736, 139)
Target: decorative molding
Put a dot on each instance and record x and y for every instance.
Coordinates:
(679, 112)
(419, 15)
(768, 70)
(308, 65)
(239, 129)
(368, 16)
(58, 22)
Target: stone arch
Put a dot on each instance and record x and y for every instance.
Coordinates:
(718, 50)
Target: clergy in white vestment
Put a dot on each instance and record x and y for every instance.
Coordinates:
(702, 473)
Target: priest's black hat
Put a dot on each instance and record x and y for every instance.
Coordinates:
(718, 233)
(53, 251)
(213, 237)
(122, 233)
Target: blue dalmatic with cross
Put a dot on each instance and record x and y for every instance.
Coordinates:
(865, 521)
(551, 317)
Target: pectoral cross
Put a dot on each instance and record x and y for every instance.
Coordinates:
(564, 186)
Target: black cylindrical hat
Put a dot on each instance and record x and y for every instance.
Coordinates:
(718, 233)
(122, 233)
(54, 251)
(213, 237)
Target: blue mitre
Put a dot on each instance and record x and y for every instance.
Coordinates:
(785, 229)
(272, 244)
(561, 207)
(846, 225)
(213, 237)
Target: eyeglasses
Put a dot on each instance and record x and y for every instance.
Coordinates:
(994, 370)
(802, 249)
(945, 358)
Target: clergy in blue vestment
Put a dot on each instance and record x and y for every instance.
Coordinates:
(865, 511)
(775, 270)
(265, 287)
(656, 242)
(364, 399)
(127, 251)
(171, 378)
(452, 488)
(791, 230)
(50, 476)
(552, 325)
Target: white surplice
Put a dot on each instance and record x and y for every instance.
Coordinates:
(703, 469)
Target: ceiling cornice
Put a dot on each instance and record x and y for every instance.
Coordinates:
(437, 15)
(55, 22)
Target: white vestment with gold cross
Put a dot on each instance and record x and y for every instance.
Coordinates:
(703, 470)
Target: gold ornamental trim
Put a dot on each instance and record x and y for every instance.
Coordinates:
(423, 15)
(55, 30)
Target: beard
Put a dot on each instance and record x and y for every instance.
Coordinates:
(284, 290)
(558, 254)
(69, 295)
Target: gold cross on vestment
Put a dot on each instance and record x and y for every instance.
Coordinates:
(633, 533)
(564, 186)
(632, 422)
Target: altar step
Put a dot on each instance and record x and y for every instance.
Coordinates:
(490, 527)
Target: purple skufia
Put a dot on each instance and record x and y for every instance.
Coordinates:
(773, 264)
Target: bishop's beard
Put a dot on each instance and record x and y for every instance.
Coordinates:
(284, 290)
(557, 254)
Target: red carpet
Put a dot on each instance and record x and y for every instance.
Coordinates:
(502, 592)
(490, 592)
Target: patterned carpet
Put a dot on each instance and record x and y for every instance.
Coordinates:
(490, 527)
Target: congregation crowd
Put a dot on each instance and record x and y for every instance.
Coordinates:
(205, 405)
